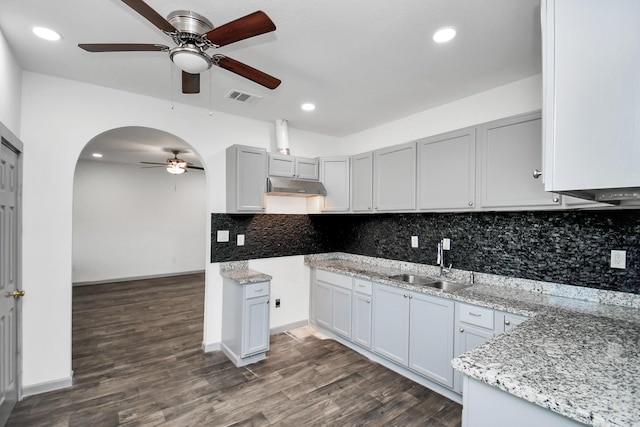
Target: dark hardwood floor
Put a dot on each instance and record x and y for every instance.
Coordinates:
(138, 361)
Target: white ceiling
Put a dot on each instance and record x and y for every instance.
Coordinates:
(363, 63)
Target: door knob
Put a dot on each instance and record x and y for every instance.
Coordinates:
(16, 294)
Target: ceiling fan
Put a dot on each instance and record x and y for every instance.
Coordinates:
(194, 34)
(175, 165)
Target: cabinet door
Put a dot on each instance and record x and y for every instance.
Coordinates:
(306, 168)
(362, 319)
(468, 337)
(281, 165)
(323, 304)
(341, 313)
(511, 151)
(362, 182)
(394, 178)
(591, 74)
(334, 174)
(256, 326)
(246, 179)
(391, 323)
(508, 321)
(447, 171)
(431, 337)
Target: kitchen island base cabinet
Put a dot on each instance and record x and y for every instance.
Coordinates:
(484, 405)
(245, 321)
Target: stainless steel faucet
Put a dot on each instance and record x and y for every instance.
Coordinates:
(443, 269)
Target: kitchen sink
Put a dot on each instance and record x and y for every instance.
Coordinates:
(415, 280)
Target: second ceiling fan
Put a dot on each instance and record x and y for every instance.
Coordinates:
(193, 34)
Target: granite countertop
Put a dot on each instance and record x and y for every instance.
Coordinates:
(578, 358)
(240, 272)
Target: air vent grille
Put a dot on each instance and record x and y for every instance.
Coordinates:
(243, 97)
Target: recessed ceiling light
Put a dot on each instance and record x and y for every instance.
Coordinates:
(97, 155)
(308, 106)
(444, 34)
(46, 33)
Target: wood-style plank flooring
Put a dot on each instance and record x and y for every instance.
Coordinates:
(138, 361)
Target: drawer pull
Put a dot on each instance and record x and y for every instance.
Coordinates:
(506, 322)
(258, 290)
(471, 313)
(361, 285)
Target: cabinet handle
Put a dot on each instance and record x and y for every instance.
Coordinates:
(361, 285)
(461, 329)
(475, 314)
(470, 203)
(537, 174)
(556, 200)
(369, 207)
(368, 301)
(506, 322)
(258, 290)
(410, 296)
(405, 295)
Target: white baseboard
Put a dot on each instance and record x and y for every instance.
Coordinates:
(288, 327)
(30, 390)
(208, 348)
(130, 279)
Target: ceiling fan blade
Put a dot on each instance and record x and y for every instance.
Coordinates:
(195, 167)
(153, 163)
(151, 15)
(251, 25)
(123, 47)
(190, 83)
(248, 72)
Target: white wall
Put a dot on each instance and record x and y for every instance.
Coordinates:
(522, 96)
(10, 88)
(131, 222)
(58, 118)
(290, 284)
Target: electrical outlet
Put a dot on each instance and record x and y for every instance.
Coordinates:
(619, 259)
(240, 239)
(446, 244)
(278, 303)
(414, 241)
(223, 236)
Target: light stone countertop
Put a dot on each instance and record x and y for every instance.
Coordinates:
(240, 272)
(578, 358)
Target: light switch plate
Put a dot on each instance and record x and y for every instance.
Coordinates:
(619, 259)
(240, 239)
(223, 236)
(414, 241)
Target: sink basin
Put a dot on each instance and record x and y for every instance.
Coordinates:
(426, 281)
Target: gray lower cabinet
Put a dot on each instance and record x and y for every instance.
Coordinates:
(362, 312)
(362, 182)
(245, 314)
(394, 178)
(391, 323)
(246, 178)
(334, 174)
(507, 321)
(511, 150)
(332, 302)
(431, 322)
(447, 171)
(474, 326)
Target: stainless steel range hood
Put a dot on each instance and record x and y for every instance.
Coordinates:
(294, 187)
(614, 196)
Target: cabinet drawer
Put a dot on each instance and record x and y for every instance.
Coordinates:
(256, 289)
(475, 315)
(334, 278)
(362, 286)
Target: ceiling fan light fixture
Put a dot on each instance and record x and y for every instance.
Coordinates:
(190, 59)
(175, 170)
(176, 166)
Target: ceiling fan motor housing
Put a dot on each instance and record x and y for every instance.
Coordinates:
(190, 22)
(189, 54)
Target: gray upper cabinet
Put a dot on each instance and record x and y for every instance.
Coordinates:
(246, 178)
(591, 94)
(293, 167)
(447, 171)
(394, 178)
(334, 174)
(362, 182)
(511, 150)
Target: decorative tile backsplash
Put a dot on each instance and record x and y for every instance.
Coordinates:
(570, 247)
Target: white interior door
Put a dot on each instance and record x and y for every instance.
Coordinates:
(8, 281)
